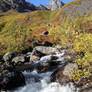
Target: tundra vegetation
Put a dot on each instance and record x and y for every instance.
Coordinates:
(19, 30)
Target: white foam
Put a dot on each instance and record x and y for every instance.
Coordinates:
(56, 87)
(44, 85)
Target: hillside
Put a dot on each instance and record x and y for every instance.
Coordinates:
(63, 37)
(40, 21)
(76, 8)
(30, 24)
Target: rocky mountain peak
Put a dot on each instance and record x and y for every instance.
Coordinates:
(23, 6)
(54, 4)
(19, 5)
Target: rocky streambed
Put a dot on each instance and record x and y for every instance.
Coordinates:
(45, 69)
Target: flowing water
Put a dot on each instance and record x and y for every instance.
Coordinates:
(40, 82)
(44, 84)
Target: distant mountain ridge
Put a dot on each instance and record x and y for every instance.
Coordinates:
(23, 6)
(19, 5)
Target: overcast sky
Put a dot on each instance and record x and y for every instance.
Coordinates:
(37, 2)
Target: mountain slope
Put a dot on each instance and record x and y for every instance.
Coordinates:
(19, 5)
(19, 30)
(23, 6)
(77, 8)
(32, 24)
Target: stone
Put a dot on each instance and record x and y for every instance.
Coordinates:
(9, 56)
(46, 66)
(68, 67)
(59, 58)
(62, 74)
(34, 58)
(43, 50)
(18, 59)
(11, 80)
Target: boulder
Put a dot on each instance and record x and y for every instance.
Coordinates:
(31, 58)
(11, 80)
(8, 56)
(62, 74)
(48, 58)
(24, 67)
(18, 59)
(42, 50)
(34, 58)
(59, 58)
(68, 67)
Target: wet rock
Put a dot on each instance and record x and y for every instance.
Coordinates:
(24, 67)
(62, 74)
(59, 58)
(8, 56)
(49, 58)
(11, 80)
(46, 66)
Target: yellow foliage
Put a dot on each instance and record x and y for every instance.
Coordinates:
(70, 35)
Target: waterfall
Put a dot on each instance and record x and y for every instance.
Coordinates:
(40, 82)
(44, 85)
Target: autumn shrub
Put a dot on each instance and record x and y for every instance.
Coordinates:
(71, 36)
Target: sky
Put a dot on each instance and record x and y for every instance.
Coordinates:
(37, 2)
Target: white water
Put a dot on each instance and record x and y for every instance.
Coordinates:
(44, 84)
